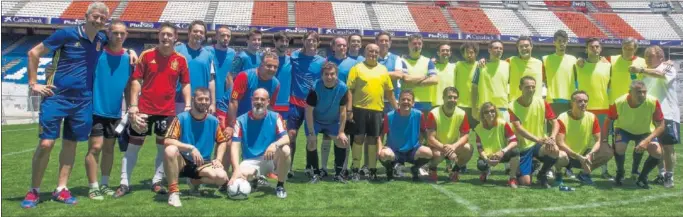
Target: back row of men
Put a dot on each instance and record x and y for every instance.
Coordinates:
(173, 90)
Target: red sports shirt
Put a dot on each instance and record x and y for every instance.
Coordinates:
(160, 76)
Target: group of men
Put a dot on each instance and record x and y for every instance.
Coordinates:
(210, 107)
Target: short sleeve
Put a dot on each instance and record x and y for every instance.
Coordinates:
(563, 129)
(596, 125)
(549, 114)
(344, 99)
(174, 131)
(280, 129)
(220, 136)
(388, 86)
(431, 122)
(423, 125)
(385, 124)
(513, 117)
(658, 115)
(312, 98)
(509, 134)
(351, 79)
(56, 40)
(138, 72)
(184, 71)
(612, 113)
(465, 127)
(240, 86)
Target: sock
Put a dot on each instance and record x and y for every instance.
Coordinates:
(637, 157)
(619, 159)
(389, 165)
(548, 164)
(325, 148)
(421, 162)
(339, 159)
(105, 180)
(280, 184)
(356, 151)
(94, 185)
(173, 187)
(604, 169)
(34, 189)
(128, 163)
(312, 161)
(366, 156)
(292, 148)
(372, 156)
(60, 188)
(661, 169)
(158, 164)
(456, 168)
(650, 163)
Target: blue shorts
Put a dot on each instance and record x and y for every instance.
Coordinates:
(77, 116)
(295, 117)
(621, 136)
(526, 159)
(402, 157)
(671, 134)
(327, 129)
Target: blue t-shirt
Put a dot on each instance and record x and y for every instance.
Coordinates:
(328, 101)
(246, 83)
(284, 75)
(343, 66)
(257, 135)
(222, 63)
(390, 61)
(245, 61)
(202, 134)
(111, 77)
(358, 58)
(305, 70)
(403, 132)
(199, 62)
(75, 60)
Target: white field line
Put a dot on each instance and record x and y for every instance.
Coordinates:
(456, 198)
(17, 130)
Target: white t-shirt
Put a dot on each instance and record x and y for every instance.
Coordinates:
(665, 90)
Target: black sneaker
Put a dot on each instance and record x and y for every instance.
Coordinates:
(659, 179)
(314, 179)
(643, 183)
(280, 192)
(364, 171)
(223, 188)
(290, 174)
(543, 180)
(373, 174)
(339, 178)
(619, 178)
(323, 173)
(390, 174)
(415, 172)
(355, 176)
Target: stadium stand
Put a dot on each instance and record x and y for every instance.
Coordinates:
(143, 11)
(349, 15)
(43, 9)
(601, 5)
(472, 4)
(314, 14)
(629, 6)
(269, 14)
(429, 18)
(473, 20)
(234, 13)
(678, 19)
(77, 9)
(545, 22)
(558, 3)
(536, 4)
(7, 5)
(184, 12)
(651, 26)
(393, 17)
(579, 24)
(506, 21)
(616, 25)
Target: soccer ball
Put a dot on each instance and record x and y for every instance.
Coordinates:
(139, 123)
(239, 190)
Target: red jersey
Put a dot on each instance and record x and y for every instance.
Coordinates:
(160, 76)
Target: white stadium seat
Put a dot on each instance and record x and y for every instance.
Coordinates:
(7, 5)
(651, 26)
(629, 6)
(234, 13)
(184, 11)
(545, 22)
(43, 9)
(395, 17)
(350, 15)
(678, 19)
(506, 21)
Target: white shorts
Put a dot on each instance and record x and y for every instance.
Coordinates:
(261, 166)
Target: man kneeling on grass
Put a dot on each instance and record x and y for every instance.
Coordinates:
(191, 139)
(403, 128)
(577, 129)
(496, 143)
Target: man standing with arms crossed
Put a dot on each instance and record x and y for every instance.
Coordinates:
(67, 97)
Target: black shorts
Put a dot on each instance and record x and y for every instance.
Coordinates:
(671, 134)
(190, 170)
(158, 122)
(368, 122)
(104, 126)
(574, 163)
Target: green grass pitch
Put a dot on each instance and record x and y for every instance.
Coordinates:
(398, 198)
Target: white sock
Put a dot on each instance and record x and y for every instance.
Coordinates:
(94, 185)
(346, 161)
(604, 169)
(130, 158)
(325, 148)
(662, 171)
(158, 164)
(60, 188)
(105, 180)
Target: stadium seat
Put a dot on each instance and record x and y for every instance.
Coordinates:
(678, 19)
(429, 18)
(77, 9)
(395, 17)
(234, 13)
(7, 5)
(579, 24)
(616, 25)
(43, 9)
(314, 14)
(148, 11)
(350, 15)
(269, 14)
(184, 12)
(650, 26)
(473, 20)
(506, 21)
(602, 5)
(558, 3)
(472, 4)
(629, 6)
(536, 4)
(545, 22)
